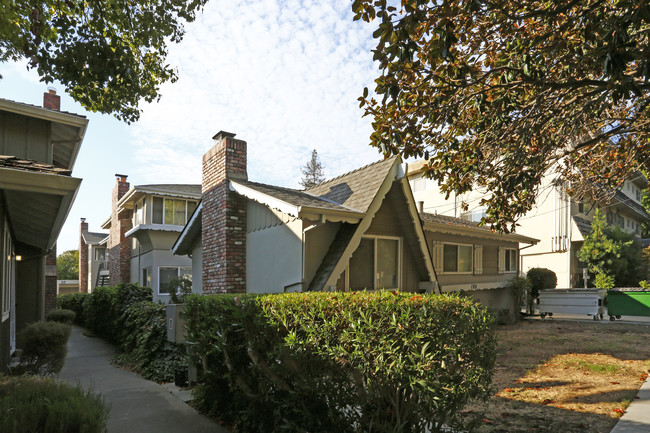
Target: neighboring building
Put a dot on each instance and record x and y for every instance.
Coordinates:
(38, 148)
(65, 287)
(93, 260)
(144, 223)
(560, 222)
(361, 230)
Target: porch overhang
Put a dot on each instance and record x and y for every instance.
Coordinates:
(37, 204)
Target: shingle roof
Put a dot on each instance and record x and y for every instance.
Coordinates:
(357, 188)
(459, 222)
(30, 165)
(43, 108)
(632, 204)
(583, 225)
(173, 188)
(93, 238)
(294, 196)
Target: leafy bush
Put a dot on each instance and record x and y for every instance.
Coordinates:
(520, 288)
(43, 348)
(74, 302)
(36, 405)
(540, 279)
(604, 281)
(145, 344)
(104, 307)
(61, 316)
(340, 361)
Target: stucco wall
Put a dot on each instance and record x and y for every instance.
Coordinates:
(317, 242)
(274, 258)
(155, 259)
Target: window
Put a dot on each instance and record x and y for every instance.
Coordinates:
(457, 258)
(507, 260)
(138, 214)
(581, 207)
(473, 215)
(167, 273)
(172, 211)
(375, 264)
(146, 277)
(100, 254)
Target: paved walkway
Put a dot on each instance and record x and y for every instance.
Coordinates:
(137, 405)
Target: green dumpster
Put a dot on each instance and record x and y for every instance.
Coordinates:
(629, 301)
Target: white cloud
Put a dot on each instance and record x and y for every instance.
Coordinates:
(283, 75)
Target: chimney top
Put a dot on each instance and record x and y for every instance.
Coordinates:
(223, 134)
(121, 177)
(51, 89)
(51, 100)
(83, 220)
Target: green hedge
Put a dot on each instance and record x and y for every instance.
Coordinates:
(74, 302)
(43, 348)
(345, 362)
(34, 405)
(126, 316)
(145, 344)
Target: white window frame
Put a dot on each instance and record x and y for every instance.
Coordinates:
(178, 275)
(374, 272)
(471, 271)
(502, 260)
(164, 208)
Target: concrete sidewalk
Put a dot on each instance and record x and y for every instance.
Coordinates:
(137, 404)
(637, 417)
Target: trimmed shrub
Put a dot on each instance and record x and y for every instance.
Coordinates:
(43, 348)
(343, 362)
(74, 302)
(61, 316)
(540, 279)
(145, 344)
(520, 287)
(37, 405)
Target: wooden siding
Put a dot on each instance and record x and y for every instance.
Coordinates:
(25, 137)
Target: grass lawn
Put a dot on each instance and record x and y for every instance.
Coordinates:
(553, 376)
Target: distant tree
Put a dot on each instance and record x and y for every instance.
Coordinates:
(612, 255)
(67, 265)
(312, 174)
(497, 93)
(110, 55)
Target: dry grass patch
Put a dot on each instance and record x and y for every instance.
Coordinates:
(554, 376)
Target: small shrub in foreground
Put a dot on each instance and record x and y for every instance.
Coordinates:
(61, 316)
(39, 405)
(43, 348)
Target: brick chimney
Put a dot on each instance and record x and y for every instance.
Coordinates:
(51, 100)
(224, 216)
(119, 249)
(83, 257)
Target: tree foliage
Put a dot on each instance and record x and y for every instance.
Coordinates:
(499, 92)
(67, 265)
(613, 254)
(312, 173)
(109, 55)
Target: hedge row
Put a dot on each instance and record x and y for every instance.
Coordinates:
(347, 362)
(126, 316)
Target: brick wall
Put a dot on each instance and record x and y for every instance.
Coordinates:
(224, 217)
(119, 252)
(83, 257)
(51, 100)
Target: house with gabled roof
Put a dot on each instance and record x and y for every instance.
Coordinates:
(38, 149)
(361, 230)
(144, 224)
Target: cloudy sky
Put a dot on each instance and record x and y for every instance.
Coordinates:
(283, 75)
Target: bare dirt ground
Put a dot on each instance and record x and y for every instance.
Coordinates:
(564, 377)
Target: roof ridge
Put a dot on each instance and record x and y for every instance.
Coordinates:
(350, 172)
